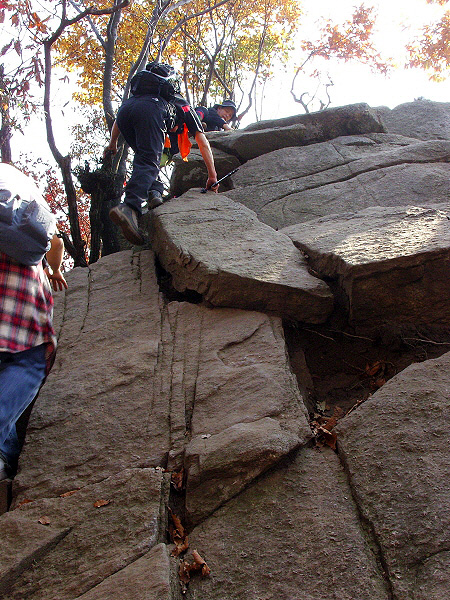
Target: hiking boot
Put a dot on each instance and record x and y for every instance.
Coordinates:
(154, 199)
(126, 218)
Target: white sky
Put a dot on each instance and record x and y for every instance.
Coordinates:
(398, 22)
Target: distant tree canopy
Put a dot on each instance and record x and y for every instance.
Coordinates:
(221, 48)
(431, 51)
(219, 51)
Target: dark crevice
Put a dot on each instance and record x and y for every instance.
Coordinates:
(336, 366)
(168, 291)
(370, 535)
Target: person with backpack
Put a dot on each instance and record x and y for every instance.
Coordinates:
(27, 337)
(144, 119)
(218, 116)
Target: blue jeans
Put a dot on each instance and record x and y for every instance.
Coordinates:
(21, 376)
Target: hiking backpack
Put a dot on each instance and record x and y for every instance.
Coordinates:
(158, 79)
(26, 223)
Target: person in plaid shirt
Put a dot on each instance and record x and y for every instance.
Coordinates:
(27, 340)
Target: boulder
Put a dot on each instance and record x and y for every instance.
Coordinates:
(222, 465)
(391, 264)
(97, 531)
(351, 119)
(395, 448)
(109, 337)
(219, 249)
(306, 129)
(422, 119)
(134, 581)
(348, 174)
(295, 533)
(193, 173)
(235, 406)
(210, 373)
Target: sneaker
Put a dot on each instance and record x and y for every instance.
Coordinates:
(154, 199)
(126, 218)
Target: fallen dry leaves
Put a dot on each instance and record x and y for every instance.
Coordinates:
(180, 539)
(377, 373)
(198, 565)
(177, 480)
(100, 503)
(24, 501)
(67, 494)
(44, 521)
(178, 535)
(322, 428)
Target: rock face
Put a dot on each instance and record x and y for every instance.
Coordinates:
(399, 435)
(296, 185)
(173, 407)
(219, 249)
(420, 119)
(391, 263)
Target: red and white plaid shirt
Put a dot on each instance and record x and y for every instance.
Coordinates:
(26, 306)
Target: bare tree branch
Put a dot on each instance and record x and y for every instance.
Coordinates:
(91, 23)
(185, 20)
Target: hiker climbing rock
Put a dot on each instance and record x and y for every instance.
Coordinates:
(218, 116)
(154, 109)
(27, 338)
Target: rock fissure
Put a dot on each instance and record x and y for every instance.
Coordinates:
(88, 300)
(370, 534)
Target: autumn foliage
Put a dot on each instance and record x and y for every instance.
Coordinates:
(226, 48)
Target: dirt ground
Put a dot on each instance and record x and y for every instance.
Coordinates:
(337, 368)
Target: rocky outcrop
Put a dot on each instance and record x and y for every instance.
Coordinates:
(395, 449)
(170, 391)
(219, 249)
(237, 147)
(193, 174)
(97, 530)
(296, 185)
(422, 119)
(390, 264)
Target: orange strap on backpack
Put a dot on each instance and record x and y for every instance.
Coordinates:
(184, 143)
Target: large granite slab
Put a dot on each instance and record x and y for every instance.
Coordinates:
(219, 249)
(395, 448)
(392, 264)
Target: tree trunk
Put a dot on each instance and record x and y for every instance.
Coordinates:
(104, 186)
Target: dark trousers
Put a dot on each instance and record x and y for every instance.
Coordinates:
(141, 120)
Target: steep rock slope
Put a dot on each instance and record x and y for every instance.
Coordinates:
(159, 409)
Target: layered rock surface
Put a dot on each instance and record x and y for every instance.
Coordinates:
(391, 264)
(219, 249)
(156, 403)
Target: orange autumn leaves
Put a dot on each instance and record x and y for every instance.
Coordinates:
(187, 568)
